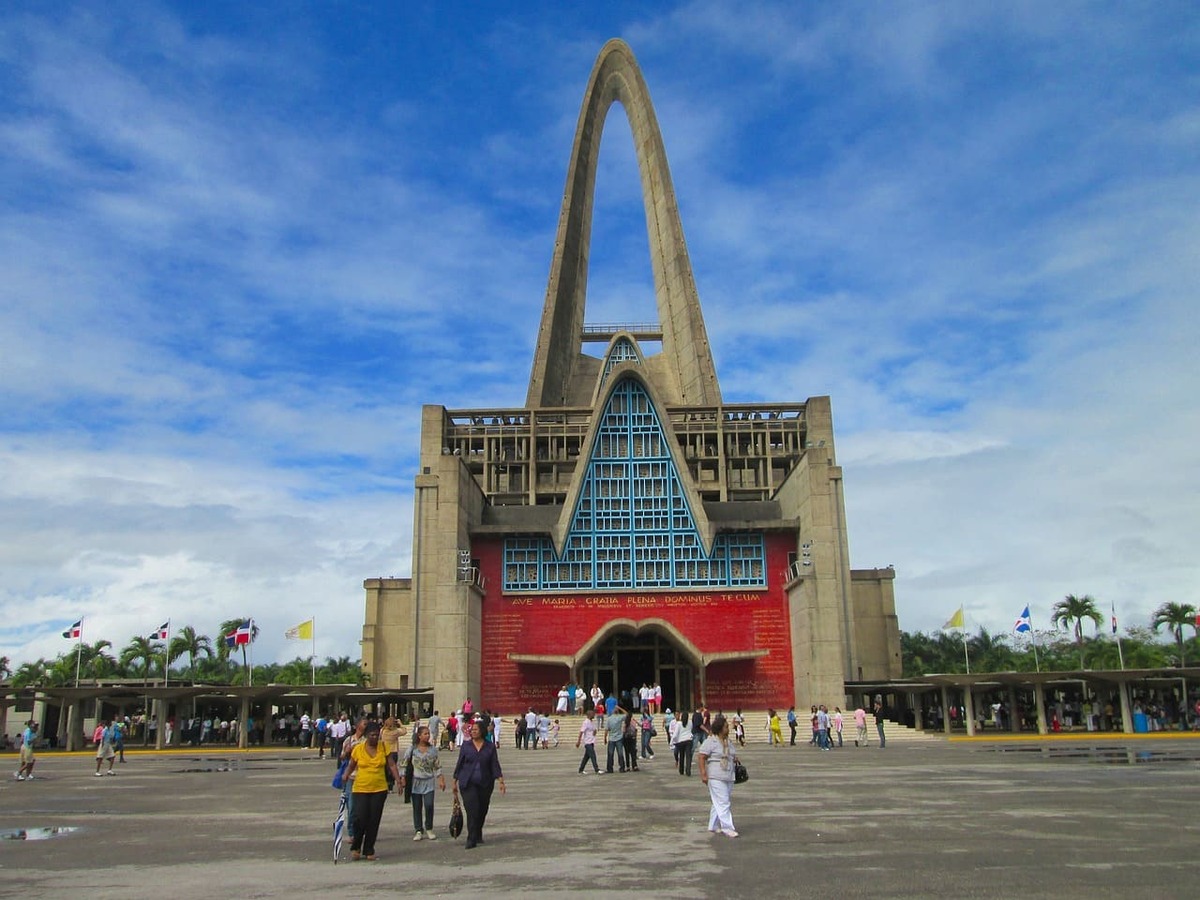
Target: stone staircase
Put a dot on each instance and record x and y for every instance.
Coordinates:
(756, 729)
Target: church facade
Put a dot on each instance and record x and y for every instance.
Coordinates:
(627, 524)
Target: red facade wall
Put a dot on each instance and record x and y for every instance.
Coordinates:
(561, 623)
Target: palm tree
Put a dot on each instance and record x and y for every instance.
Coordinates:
(990, 651)
(1076, 609)
(95, 660)
(140, 654)
(30, 674)
(1175, 616)
(341, 670)
(190, 644)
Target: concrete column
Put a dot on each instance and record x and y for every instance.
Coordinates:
(243, 718)
(945, 709)
(160, 708)
(1039, 699)
(1013, 724)
(1126, 708)
(969, 710)
(74, 735)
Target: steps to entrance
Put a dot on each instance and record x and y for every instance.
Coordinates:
(756, 729)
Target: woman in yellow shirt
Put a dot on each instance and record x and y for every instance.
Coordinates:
(369, 763)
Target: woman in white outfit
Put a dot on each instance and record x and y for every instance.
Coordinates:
(717, 757)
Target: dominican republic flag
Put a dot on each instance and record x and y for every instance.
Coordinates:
(163, 632)
(243, 634)
(75, 631)
(1024, 623)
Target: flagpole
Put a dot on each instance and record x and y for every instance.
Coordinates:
(78, 651)
(167, 657)
(313, 659)
(251, 639)
(1033, 637)
(1120, 653)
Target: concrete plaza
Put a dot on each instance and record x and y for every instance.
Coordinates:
(1097, 817)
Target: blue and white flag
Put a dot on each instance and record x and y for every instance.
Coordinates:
(1024, 624)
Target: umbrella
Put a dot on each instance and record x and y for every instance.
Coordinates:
(339, 827)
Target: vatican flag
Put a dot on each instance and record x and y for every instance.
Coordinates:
(301, 632)
(955, 621)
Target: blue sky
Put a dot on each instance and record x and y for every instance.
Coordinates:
(241, 247)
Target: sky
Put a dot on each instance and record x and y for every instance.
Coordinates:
(242, 244)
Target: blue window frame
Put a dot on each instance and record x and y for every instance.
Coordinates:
(632, 527)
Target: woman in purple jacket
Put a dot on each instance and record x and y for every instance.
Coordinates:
(475, 776)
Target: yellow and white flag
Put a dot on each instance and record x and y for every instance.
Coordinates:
(301, 632)
(955, 621)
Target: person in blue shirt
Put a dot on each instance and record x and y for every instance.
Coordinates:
(28, 738)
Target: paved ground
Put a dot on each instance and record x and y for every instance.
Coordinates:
(1092, 818)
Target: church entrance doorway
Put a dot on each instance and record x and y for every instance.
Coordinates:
(624, 662)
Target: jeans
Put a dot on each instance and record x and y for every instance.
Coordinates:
(684, 749)
(422, 803)
(882, 740)
(617, 747)
(792, 725)
(589, 752)
(646, 754)
(631, 754)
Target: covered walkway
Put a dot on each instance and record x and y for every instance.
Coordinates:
(1096, 687)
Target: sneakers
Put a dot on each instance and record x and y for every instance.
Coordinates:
(98, 774)
(418, 836)
(430, 836)
(110, 772)
(730, 833)
(19, 776)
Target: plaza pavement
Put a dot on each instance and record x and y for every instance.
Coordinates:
(1097, 818)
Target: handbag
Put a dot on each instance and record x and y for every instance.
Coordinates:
(339, 780)
(456, 819)
(408, 780)
(740, 775)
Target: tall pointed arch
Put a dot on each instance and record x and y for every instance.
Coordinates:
(689, 368)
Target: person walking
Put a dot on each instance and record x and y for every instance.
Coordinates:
(838, 722)
(879, 724)
(476, 774)
(683, 743)
(28, 739)
(717, 758)
(104, 748)
(774, 728)
(587, 739)
(426, 769)
(369, 764)
(791, 721)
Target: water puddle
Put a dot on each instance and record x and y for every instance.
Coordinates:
(220, 765)
(36, 834)
(1114, 756)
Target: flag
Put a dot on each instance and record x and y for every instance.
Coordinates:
(955, 621)
(1114, 618)
(301, 632)
(243, 634)
(162, 632)
(75, 631)
(1024, 623)
(1198, 620)
(339, 824)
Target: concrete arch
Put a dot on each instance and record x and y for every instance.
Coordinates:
(617, 78)
(629, 626)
